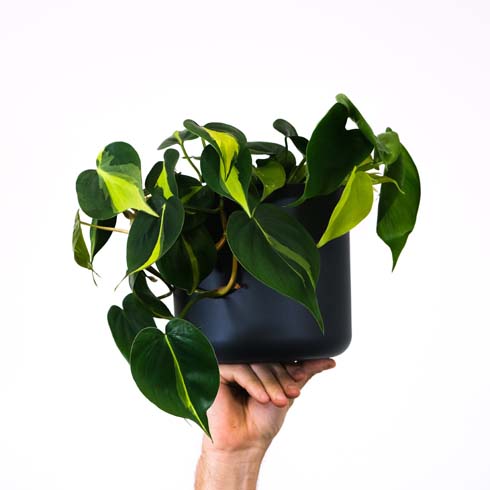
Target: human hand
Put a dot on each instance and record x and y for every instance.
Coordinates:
(253, 401)
(248, 412)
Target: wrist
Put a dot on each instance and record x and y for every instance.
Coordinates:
(228, 469)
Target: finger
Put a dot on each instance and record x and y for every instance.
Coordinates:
(271, 384)
(244, 376)
(315, 366)
(296, 371)
(287, 382)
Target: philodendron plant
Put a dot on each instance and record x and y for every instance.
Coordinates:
(170, 240)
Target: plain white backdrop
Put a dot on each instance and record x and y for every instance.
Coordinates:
(407, 406)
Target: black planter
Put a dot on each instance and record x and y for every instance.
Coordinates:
(257, 324)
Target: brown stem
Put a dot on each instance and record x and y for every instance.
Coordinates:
(106, 228)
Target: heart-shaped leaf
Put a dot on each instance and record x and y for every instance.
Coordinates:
(333, 152)
(140, 289)
(277, 250)
(353, 206)
(114, 186)
(149, 238)
(125, 323)
(397, 211)
(189, 260)
(176, 370)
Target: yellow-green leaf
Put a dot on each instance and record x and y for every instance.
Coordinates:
(80, 250)
(353, 206)
(273, 177)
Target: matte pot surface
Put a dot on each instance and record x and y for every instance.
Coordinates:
(257, 324)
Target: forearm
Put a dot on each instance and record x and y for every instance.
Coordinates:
(225, 470)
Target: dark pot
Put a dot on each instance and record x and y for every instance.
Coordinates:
(257, 324)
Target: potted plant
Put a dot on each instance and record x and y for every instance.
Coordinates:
(254, 247)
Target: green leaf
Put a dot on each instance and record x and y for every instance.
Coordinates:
(149, 238)
(189, 260)
(140, 289)
(80, 251)
(176, 370)
(353, 206)
(381, 179)
(357, 117)
(264, 148)
(388, 146)
(300, 143)
(397, 212)
(166, 181)
(98, 237)
(125, 323)
(272, 176)
(235, 186)
(115, 185)
(333, 152)
(285, 128)
(224, 142)
(177, 138)
(277, 250)
(288, 130)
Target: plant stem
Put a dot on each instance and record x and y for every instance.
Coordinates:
(221, 243)
(166, 295)
(188, 158)
(153, 271)
(106, 228)
(215, 293)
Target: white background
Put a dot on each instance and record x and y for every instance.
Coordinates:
(408, 405)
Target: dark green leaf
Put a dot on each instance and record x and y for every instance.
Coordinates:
(397, 212)
(300, 143)
(149, 238)
(190, 260)
(125, 323)
(140, 288)
(177, 371)
(357, 117)
(98, 237)
(93, 196)
(264, 148)
(333, 152)
(276, 249)
(285, 128)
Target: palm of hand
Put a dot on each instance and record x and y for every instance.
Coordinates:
(253, 401)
